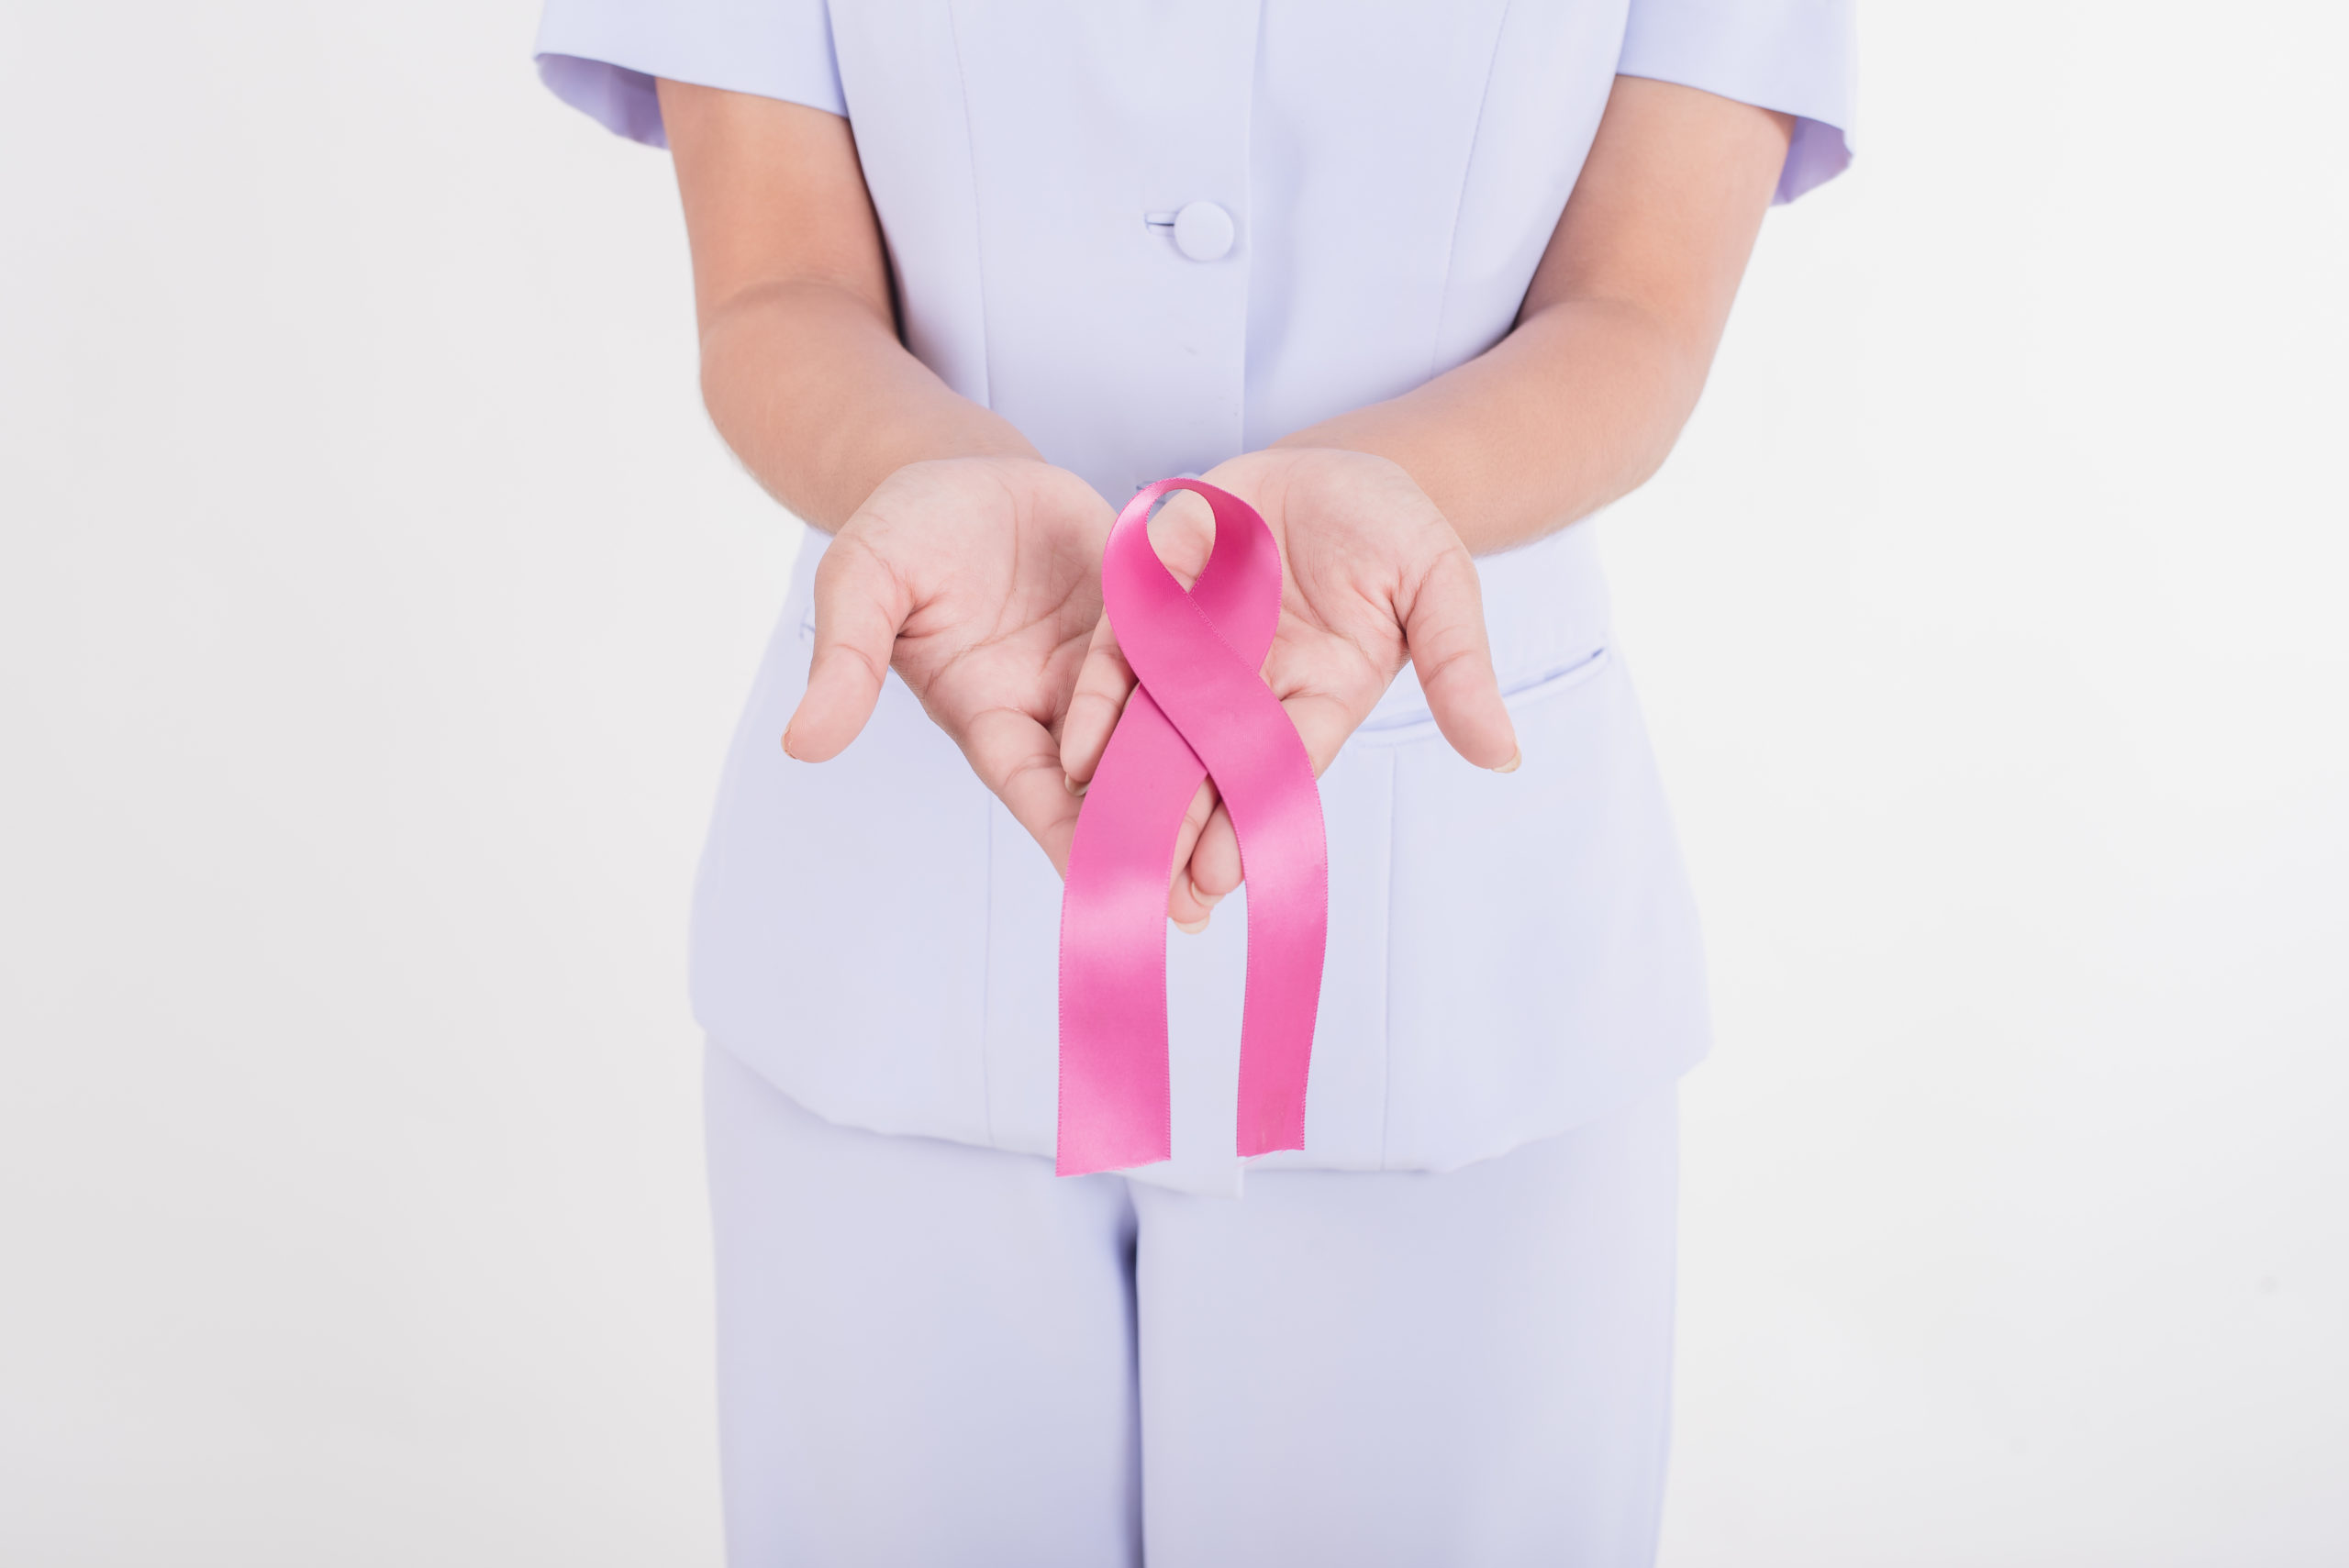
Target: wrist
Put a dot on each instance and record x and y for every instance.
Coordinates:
(1310, 457)
(970, 493)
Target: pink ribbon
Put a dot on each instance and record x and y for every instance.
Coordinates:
(1200, 708)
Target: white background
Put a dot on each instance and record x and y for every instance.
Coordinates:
(375, 601)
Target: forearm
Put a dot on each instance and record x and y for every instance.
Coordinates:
(1576, 407)
(818, 399)
(1584, 398)
(801, 367)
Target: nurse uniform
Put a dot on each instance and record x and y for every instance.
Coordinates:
(1154, 237)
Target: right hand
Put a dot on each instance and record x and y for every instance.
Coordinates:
(1371, 574)
(979, 580)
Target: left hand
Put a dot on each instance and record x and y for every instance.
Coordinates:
(1371, 575)
(977, 579)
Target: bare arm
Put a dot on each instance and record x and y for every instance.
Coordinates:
(1582, 401)
(801, 367)
(1378, 509)
(961, 559)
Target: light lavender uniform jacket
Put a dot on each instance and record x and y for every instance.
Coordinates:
(1154, 235)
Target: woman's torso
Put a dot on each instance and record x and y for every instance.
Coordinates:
(1507, 955)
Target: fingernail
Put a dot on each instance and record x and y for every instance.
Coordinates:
(787, 747)
(1192, 927)
(1074, 787)
(1511, 766)
(1208, 899)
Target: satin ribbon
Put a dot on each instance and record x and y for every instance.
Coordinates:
(1200, 708)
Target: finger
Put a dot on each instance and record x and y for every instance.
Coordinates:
(860, 604)
(1323, 723)
(1215, 863)
(1443, 625)
(1185, 906)
(1103, 683)
(1017, 758)
(1182, 532)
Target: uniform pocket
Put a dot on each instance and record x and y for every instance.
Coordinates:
(1414, 724)
(1543, 958)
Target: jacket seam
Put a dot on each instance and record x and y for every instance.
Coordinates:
(978, 231)
(986, 980)
(1467, 167)
(985, 400)
(1386, 972)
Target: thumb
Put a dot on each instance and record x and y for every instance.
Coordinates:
(1443, 625)
(860, 604)
(1094, 705)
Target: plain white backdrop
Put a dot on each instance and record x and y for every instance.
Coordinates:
(374, 605)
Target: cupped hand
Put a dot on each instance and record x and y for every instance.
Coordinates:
(979, 580)
(1371, 575)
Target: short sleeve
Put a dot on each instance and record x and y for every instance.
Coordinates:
(1795, 56)
(601, 56)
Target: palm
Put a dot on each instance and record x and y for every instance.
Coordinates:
(1346, 571)
(979, 582)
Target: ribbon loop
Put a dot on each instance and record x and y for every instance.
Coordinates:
(1200, 709)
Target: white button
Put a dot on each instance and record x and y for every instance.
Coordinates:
(1203, 232)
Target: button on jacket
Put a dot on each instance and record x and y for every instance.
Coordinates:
(1154, 237)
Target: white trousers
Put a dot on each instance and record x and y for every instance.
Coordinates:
(931, 1353)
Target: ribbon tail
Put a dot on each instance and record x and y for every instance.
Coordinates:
(1116, 1095)
(1268, 786)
